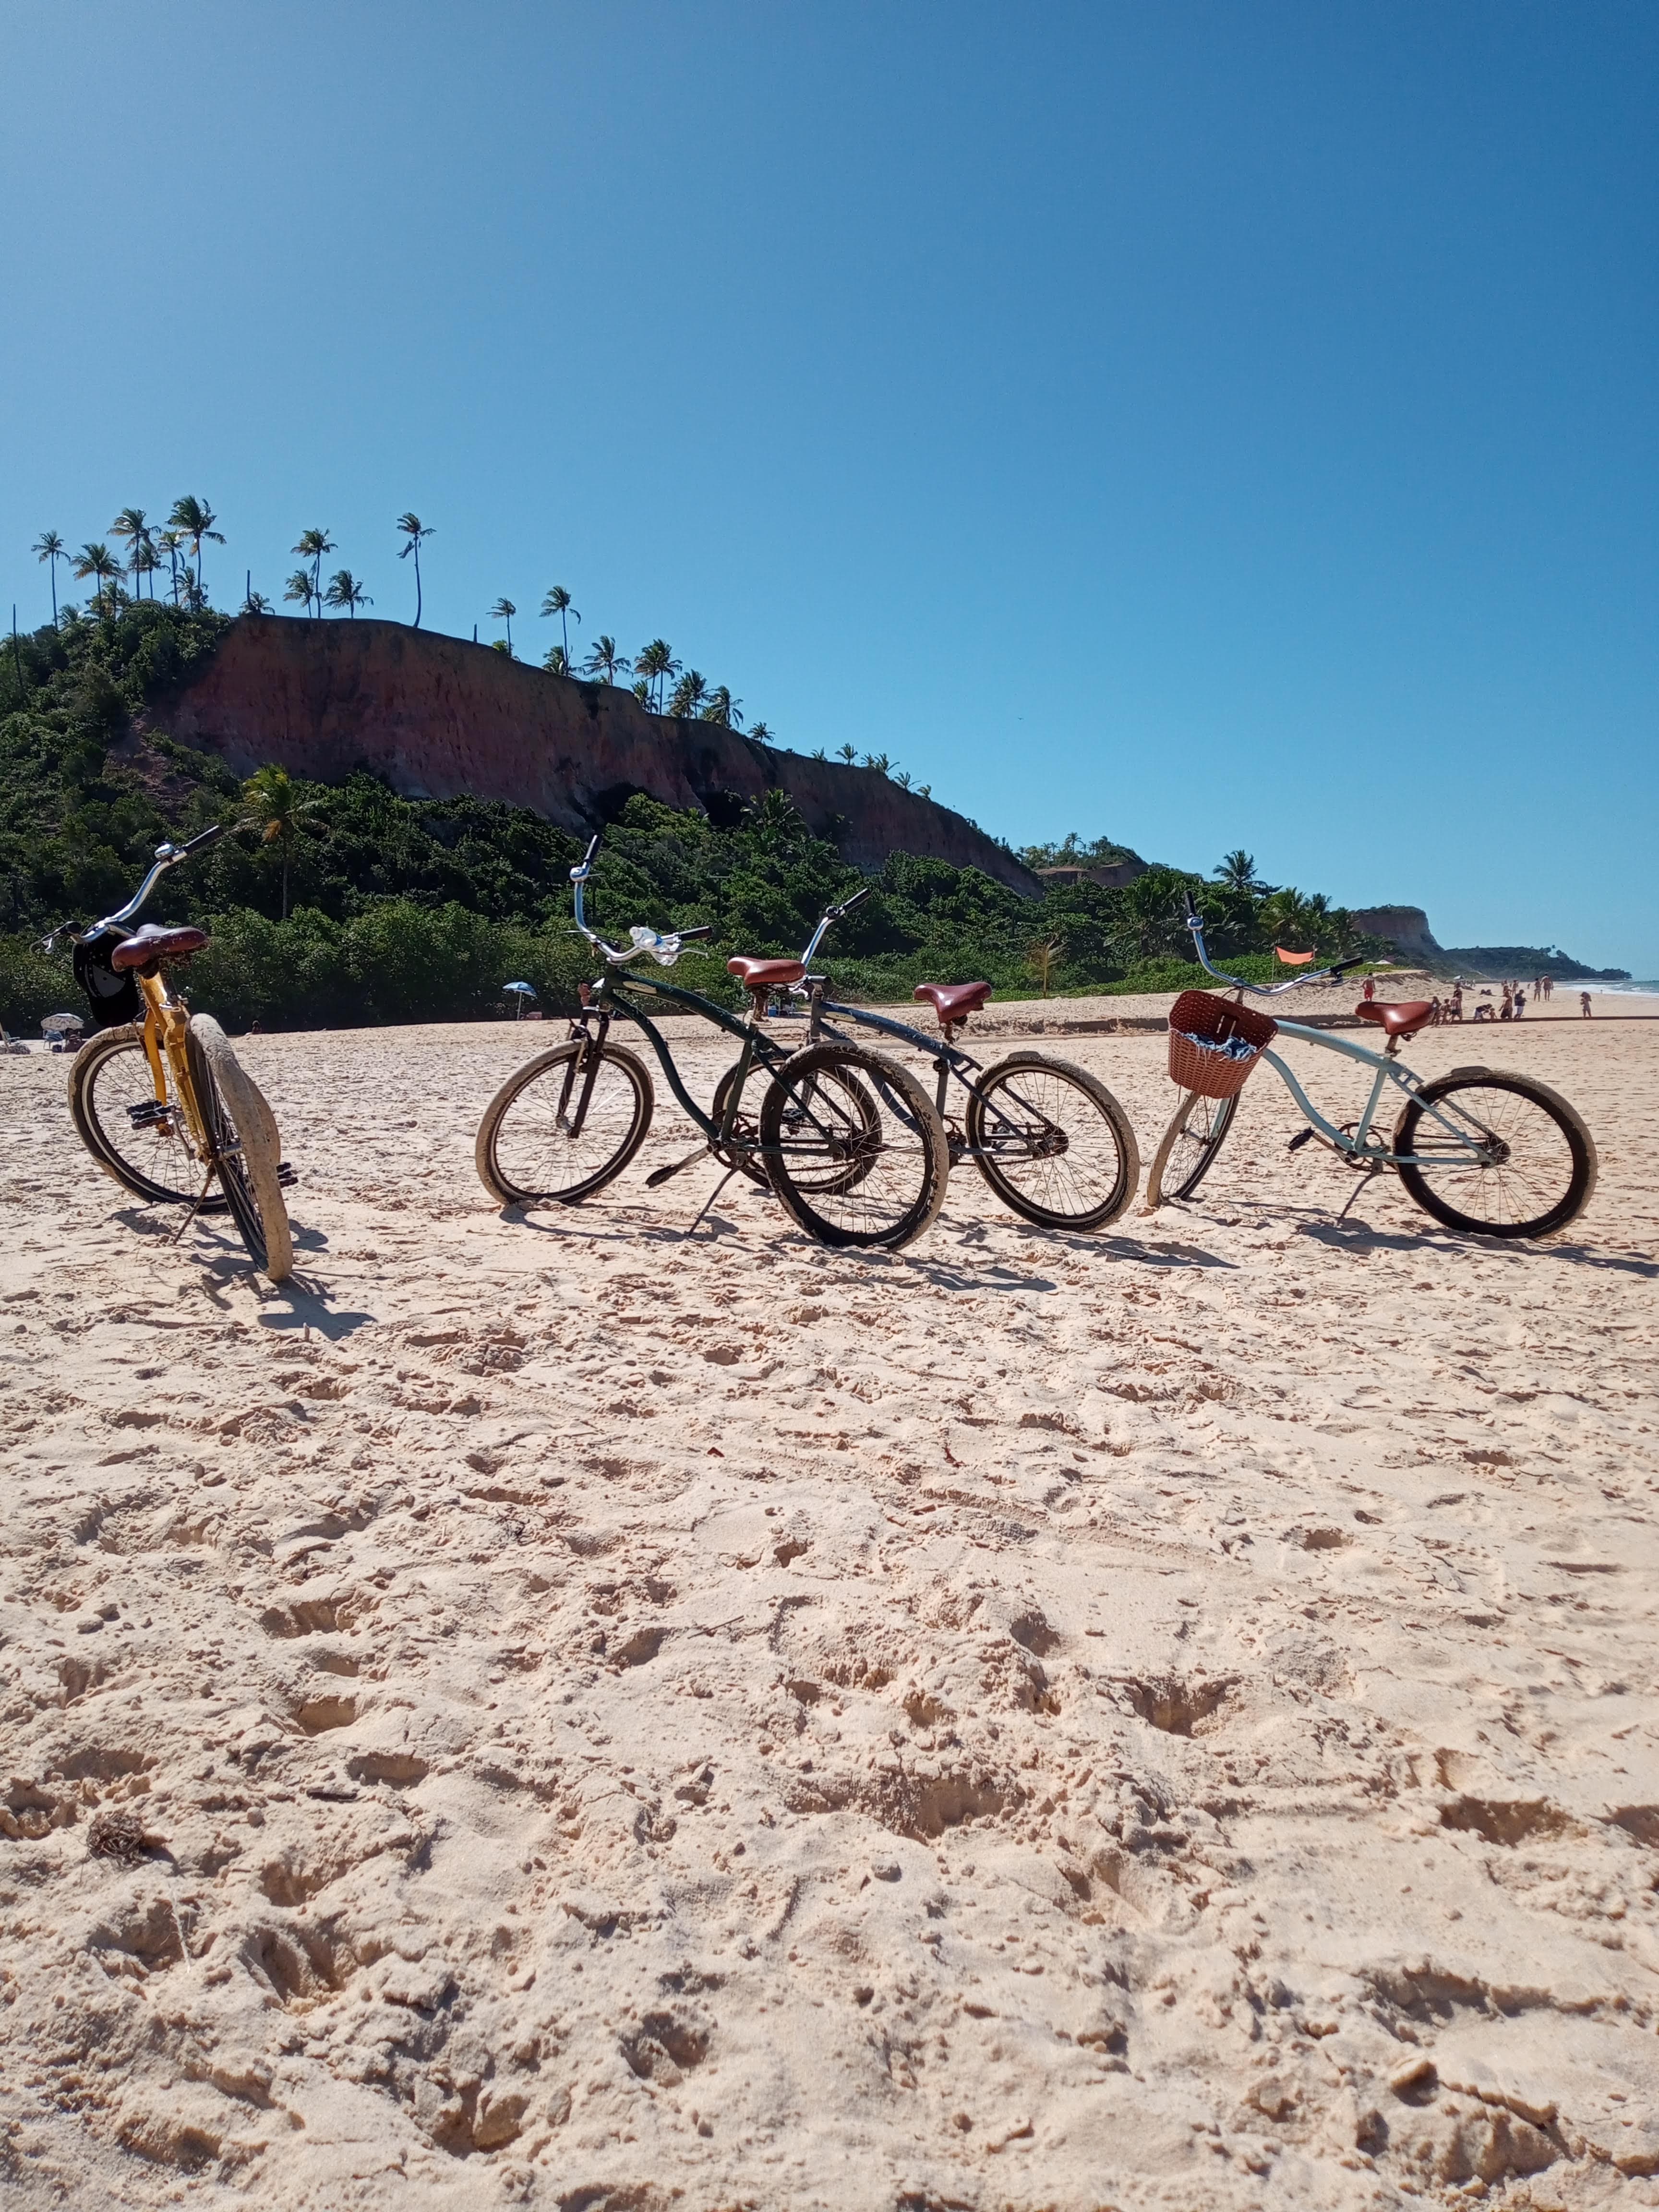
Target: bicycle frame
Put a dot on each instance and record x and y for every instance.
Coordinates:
(167, 1027)
(607, 1004)
(1354, 1143)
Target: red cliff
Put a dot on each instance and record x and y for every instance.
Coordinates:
(435, 716)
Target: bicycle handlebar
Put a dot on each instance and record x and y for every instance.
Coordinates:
(833, 915)
(1195, 923)
(166, 856)
(665, 950)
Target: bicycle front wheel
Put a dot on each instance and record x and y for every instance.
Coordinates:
(564, 1126)
(1186, 1153)
(854, 1147)
(1495, 1154)
(1052, 1142)
(152, 1157)
(247, 1150)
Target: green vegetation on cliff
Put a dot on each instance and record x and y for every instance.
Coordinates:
(346, 905)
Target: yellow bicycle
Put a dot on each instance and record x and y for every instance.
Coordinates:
(157, 1096)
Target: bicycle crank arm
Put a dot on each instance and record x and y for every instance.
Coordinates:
(658, 1177)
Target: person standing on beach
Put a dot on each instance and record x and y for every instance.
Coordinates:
(1370, 988)
(1584, 1004)
(1520, 1001)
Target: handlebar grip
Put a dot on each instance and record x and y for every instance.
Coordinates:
(588, 857)
(1341, 966)
(857, 899)
(702, 929)
(209, 837)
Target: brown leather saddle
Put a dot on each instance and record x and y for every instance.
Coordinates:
(761, 977)
(952, 1002)
(156, 941)
(1402, 1020)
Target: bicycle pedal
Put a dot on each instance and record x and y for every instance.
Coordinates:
(1302, 1137)
(151, 1114)
(286, 1175)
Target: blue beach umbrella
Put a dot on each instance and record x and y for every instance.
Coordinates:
(520, 991)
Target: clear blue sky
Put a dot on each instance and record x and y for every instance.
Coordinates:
(1204, 424)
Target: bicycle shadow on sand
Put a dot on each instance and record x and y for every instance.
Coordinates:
(302, 1302)
(1360, 1237)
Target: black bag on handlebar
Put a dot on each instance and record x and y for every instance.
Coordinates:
(115, 998)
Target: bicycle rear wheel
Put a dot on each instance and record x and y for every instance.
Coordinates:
(852, 1103)
(564, 1126)
(1052, 1142)
(1516, 1161)
(152, 1157)
(248, 1152)
(854, 1147)
(1190, 1145)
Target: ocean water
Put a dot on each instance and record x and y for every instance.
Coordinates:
(1637, 990)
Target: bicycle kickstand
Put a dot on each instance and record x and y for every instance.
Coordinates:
(703, 1214)
(1362, 1185)
(195, 1208)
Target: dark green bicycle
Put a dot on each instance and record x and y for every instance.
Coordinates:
(848, 1140)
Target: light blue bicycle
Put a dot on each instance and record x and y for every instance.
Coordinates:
(1482, 1149)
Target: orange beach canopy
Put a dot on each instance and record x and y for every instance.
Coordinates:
(1293, 959)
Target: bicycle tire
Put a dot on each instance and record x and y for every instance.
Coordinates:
(882, 1189)
(111, 1072)
(1192, 1152)
(517, 1154)
(752, 1164)
(1036, 1088)
(246, 1147)
(1555, 1178)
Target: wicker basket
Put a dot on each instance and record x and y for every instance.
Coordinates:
(1198, 1014)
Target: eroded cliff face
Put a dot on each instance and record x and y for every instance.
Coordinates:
(436, 716)
(1406, 927)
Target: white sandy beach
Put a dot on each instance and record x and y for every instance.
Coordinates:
(1162, 1718)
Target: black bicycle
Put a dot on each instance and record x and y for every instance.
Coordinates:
(1048, 1138)
(848, 1140)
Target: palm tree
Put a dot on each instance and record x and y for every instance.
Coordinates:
(720, 706)
(763, 732)
(641, 691)
(301, 587)
(413, 530)
(196, 519)
(345, 591)
(131, 524)
(605, 661)
(312, 544)
(556, 660)
(146, 560)
(49, 546)
(1238, 871)
(1043, 958)
(172, 544)
(504, 610)
(558, 602)
(277, 807)
(657, 663)
(689, 694)
(848, 753)
(254, 603)
(98, 562)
